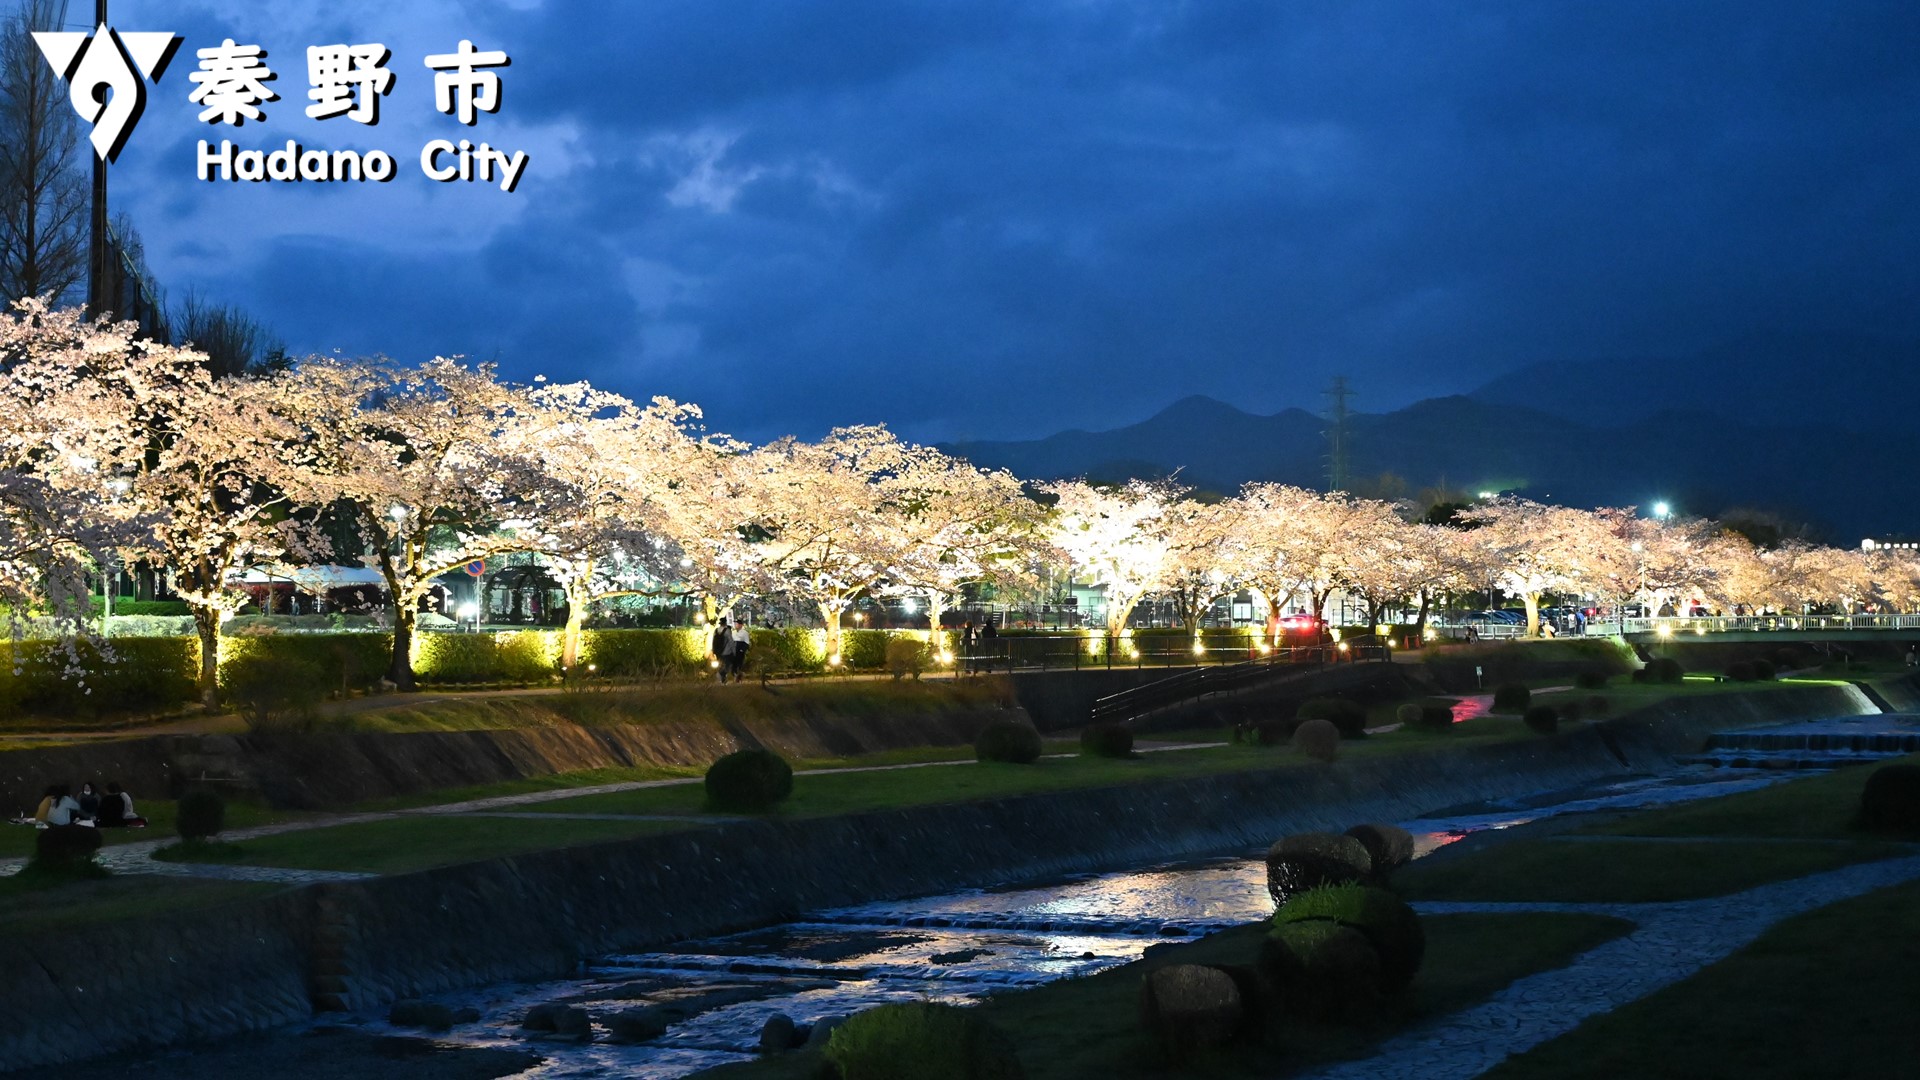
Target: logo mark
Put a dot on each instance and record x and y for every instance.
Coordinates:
(107, 74)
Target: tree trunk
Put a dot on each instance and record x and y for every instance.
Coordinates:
(206, 622)
(1117, 615)
(936, 611)
(570, 637)
(830, 618)
(400, 672)
(1532, 601)
(1420, 621)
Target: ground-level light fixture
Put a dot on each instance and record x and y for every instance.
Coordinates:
(1344, 646)
(834, 660)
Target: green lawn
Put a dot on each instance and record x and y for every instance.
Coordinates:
(1089, 1027)
(30, 907)
(1816, 806)
(1624, 871)
(1830, 993)
(18, 840)
(419, 842)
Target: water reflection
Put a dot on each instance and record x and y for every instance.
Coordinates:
(964, 945)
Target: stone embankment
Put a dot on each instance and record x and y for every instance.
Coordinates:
(359, 944)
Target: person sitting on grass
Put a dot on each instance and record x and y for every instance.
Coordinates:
(66, 809)
(116, 811)
(89, 800)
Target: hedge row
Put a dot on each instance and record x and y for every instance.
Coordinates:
(41, 678)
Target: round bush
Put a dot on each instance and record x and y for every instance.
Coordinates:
(1740, 671)
(272, 692)
(1590, 680)
(748, 781)
(201, 814)
(1388, 846)
(1664, 670)
(1511, 697)
(1763, 670)
(1318, 739)
(1390, 925)
(906, 656)
(1891, 800)
(1107, 740)
(1311, 860)
(1348, 717)
(1273, 732)
(1436, 714)
(1325, 970)
(923, 1040)
(1190, 1007)
(66, 848)
(1544, 719)
(1009, 741)
(1408, 714)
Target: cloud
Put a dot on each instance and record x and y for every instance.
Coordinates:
(995, 219)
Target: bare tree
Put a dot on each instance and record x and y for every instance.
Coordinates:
(43, 192)
(235, 342)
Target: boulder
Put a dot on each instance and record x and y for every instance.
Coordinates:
(636, 1025)
(1190, 1007)
(778, 1034)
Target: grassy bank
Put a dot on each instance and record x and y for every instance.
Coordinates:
(1828, 993)
(29, 906)
(1090, 1027)
(403, 845)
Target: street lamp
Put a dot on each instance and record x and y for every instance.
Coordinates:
(1662, 510)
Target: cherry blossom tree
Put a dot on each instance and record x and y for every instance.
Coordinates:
(1120, 537)
(604, 472)
(1198, 535)
(421, 462)
(959, 525)
(1536, 548)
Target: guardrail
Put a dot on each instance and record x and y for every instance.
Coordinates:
(1202, 682)
(1711, 624)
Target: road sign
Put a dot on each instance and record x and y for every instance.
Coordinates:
(477, 567)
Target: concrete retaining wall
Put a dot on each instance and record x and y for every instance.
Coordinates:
(537, 915)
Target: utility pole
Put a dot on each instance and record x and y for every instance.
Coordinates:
(97, 260)
(1337, 461)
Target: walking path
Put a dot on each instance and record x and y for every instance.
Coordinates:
(136, 857)
(1672, 942)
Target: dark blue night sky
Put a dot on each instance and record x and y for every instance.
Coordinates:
(989, 219)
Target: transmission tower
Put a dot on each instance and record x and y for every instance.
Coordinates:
(1337, 461)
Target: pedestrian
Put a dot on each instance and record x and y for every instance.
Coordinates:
(721, 647)
(742, 641)
(89, 800)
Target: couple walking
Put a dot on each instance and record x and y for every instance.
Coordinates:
(730, 644)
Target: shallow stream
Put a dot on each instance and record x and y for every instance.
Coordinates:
(962, 945)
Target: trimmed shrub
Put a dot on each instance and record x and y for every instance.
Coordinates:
(66, 849)
(347, 662)
(1740, 671)
(748, 781)
(1107, 740)
(522, 656)
(655, 654)
(1312, 860)
(1348, 717)
(923, 1040)
(272, 692)
(1543, 719)
(1389, 847)
(1008, 740)
(1590, 680)
(141, 673)
(1511, 697)
(1891, 800)
(1317, 739)
(1436, 714)
(1596, 705)
(1326, 971)
(1390, 925)
(201, 814)
(1664, 670)
(864, 650)
(1408, 714)
(1190, 1008)
(1763, 670)
(907, 656)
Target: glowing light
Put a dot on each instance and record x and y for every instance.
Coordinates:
(1486, 494)
(593, 667)
(468, 611)
(1266, 649)
(1661, 509)
(909, 606)
(1343, 646)
(1664, 630)
(834, 660)
(943, 656)
(713, 663)
(397, 512)
(1199, 649)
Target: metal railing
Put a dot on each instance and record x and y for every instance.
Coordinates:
(1077, 652)
(1197, 683)
(1711, 624)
